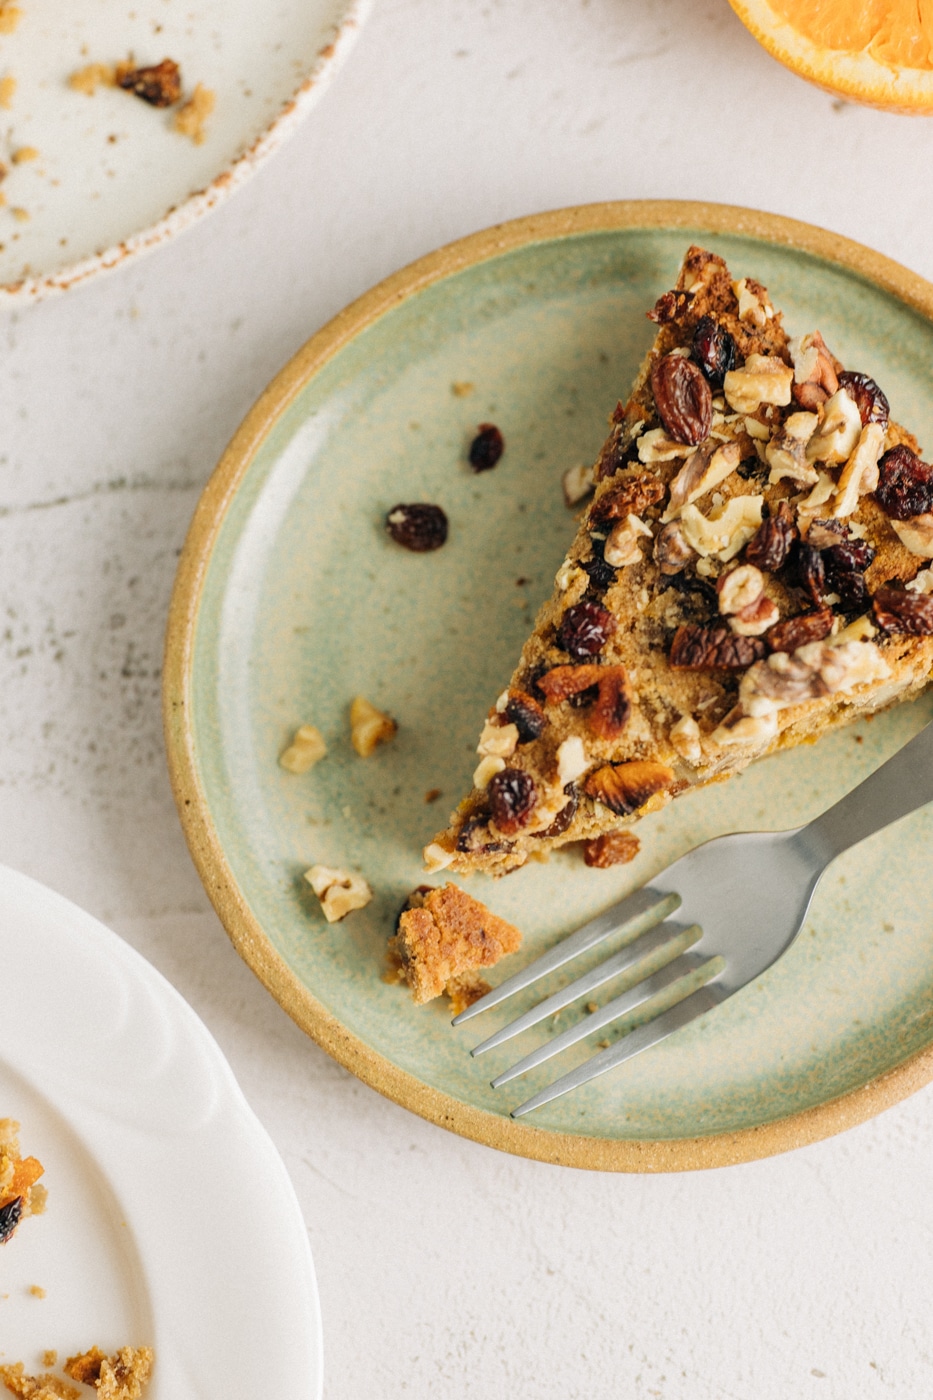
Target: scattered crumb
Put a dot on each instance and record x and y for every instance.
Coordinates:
(612, 848)
(38, 1291)
(24, 154)
(461, 388)
(20, 213)
(159, 84)
(603, 1044)
(119, 1377)
(38, 1199)
(10, 16)
(433, 794)
(592, 1006)
(463, 991)
(45, 1387)
(7, 91)
(191, 117)
(444, 937)
(50, 1358)
(369, 726)
(95, 75)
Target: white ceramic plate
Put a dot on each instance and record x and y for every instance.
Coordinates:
(171, 1220)
(113, 177)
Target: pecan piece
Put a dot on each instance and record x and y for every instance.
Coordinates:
(159, 85)
(696, 648)
(769, 547)
(612, 848)
(565, 681)
(796, 632)
(683, 398)
(624, 787)
(512, 799)
(632, 497)
(527, 716)
(910, 613)
(610, 714)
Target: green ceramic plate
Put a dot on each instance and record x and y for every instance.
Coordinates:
(291, 600)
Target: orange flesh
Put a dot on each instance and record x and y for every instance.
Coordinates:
(898, 33)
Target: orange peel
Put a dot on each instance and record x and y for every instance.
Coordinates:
(879, 52)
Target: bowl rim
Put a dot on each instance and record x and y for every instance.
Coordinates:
(244, 929)
(329, 59)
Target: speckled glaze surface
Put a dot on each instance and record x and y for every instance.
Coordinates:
(111, 178)
(290, 600)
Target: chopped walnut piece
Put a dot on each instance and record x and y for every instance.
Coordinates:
(755, 618)
(159, 84)
(191, 117)
(786, 453)
(922, 583)
(685, 737)
(572, 762)
(763, 379)
(739, 730)
(707, 468)
(306, 749)
(486, 770)
(656, 446)
(671, 550)
(739, 588)
(612, 848)
(625, 787)
(449, 934)
(754, 306)
(500, 740)
(369, 727)
(340, 891)
(860, 473)
(623, 545)
(815, 377)
(838, 433)
(577, 483)
(726, 530)
(915, 534)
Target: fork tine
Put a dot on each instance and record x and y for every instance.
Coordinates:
(627, 1001)
(697, 1004)
(626, 957)
(638, 913)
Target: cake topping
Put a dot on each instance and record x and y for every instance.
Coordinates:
(683, 398)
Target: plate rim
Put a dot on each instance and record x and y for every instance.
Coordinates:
(244, 929)
(352, 15)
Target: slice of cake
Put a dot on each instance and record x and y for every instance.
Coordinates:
(444, 937)
(753, 570)
(19, 1194)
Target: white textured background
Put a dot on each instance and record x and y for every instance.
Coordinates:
(445, 1269)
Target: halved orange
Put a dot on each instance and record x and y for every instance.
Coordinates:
(875, 51)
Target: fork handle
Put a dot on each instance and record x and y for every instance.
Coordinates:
(893, 791)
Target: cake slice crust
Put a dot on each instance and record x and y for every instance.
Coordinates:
(752, 571)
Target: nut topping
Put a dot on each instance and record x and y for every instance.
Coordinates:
(763, 379)
(340, 891)
(860, 474)
(798, 631)
(739, 588)
(698, 648)
(671, 550)
(726, 530)
(903, 612)
(656, 446)
(756, 618)
(624, 787)
(704, 470)
(685, 737)
(622, 546)
(683, 398)
(786, 453)
(916, 535)
(814, 373)
(369, 727)
(839, 430)
(498, 740)
(572, 761)
(306, 749)
(577, 483)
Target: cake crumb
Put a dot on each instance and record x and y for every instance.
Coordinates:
(444, 936)
(463, 991)
(38, 1291)
(433, 794)
(44, 1387)
(50, 1358)
(24, 154)
(122, 1376)
(95, 75)
(462, 388)
(19, 213)
(191, 117)
(7, 91)
(10, 16)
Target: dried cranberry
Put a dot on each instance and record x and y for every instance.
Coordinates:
(713, 350)
(159, 85)
(585, 630)
(683, 398)
(602, 575)
(769, 547)
(896, 610)
(511, 799)
(905, 487)
(873, 406)
(527, 716)
(10, 1216)
(486, 448)
(670, 306)
(808, 570)
(419, 527)
(564, 817)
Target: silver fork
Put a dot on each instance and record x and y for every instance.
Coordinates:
(740, 902)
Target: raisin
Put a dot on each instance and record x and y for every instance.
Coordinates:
(10, 1216)
(905, 487)
(159, 85)
(872, 403)
(845, 565)
(511, 799)
(419, 527)
(769, 547)
(585, 629)
(699, 588)
(696, 648)
(713, 350)
(670, 306)
(564, 817)
(796, 632)
(486, 448)
(683, 399)
(601, 574)
(614, 848)
(527, 716)
(808, 571)
(474, 835)
(896, 610)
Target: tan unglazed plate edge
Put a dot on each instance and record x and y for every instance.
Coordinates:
(674, 1154)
